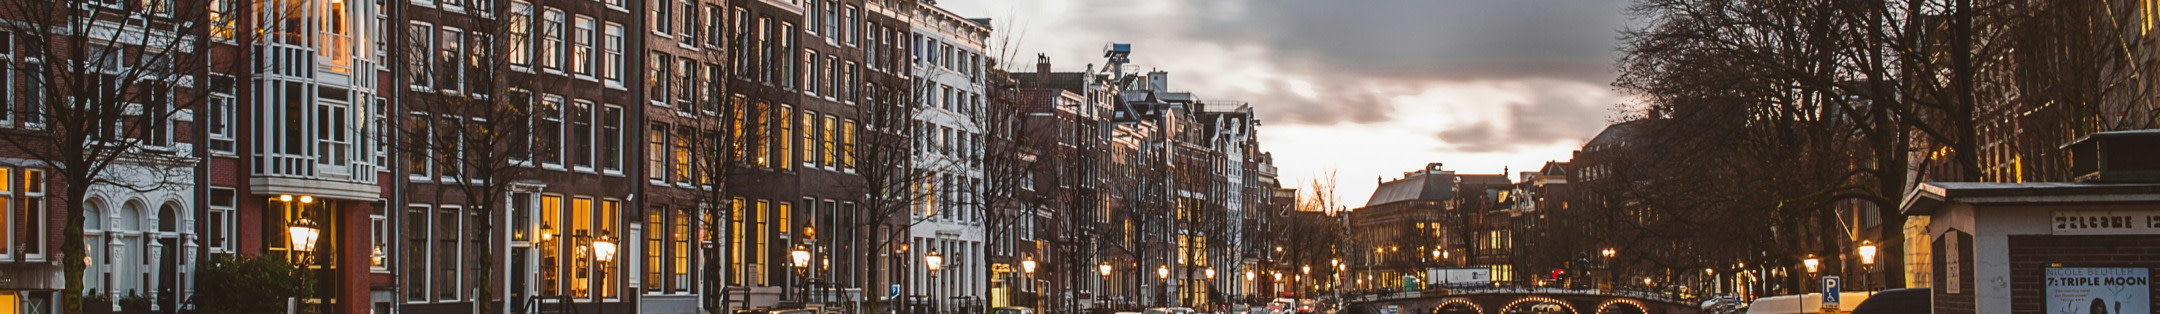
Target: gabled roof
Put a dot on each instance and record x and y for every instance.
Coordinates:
(1419, 186)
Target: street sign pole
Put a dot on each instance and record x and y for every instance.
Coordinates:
(1830, 297)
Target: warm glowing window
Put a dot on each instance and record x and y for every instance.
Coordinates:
(735, 239)
(680, 250)
(551, 238)
(682, 156)
(826, 138)
(761, 150)
(655, 239)
(809, 138)
(847, 144)
(786, 137)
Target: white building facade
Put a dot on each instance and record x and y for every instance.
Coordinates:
(948, 78)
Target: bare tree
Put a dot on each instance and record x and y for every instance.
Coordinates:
(483, 129)
(102, 83)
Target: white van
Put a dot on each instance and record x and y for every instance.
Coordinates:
(1805, 304)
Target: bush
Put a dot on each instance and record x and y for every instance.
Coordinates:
(247, 284)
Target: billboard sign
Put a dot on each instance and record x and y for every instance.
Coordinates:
(2097, 290)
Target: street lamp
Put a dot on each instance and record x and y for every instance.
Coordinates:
(303, 233)
(1608, 252)
(1163, 271)
(1211, 273)
(1027, 264)
(1812, 263)
(603, 250)
(1104, 268)
(1867, 262)
(934, 262)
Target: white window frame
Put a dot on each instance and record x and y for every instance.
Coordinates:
(611, 56)
(379, 231)
(584, 54)
(590, 151)
(221, 216)
(614, 167)
(561, 130)
(434, 245)
(521, 47)
(554, 22)
(455, 70)
(425, 60)
(425, 213)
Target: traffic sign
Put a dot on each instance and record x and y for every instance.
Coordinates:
(1830, 287)
(892, 292)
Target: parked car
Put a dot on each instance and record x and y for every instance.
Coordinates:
(1913, 300)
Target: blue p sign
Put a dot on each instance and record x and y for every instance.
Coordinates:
(1830, 287)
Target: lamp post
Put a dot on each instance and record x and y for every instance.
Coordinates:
(800, 257)
(301, 233)
(1812, 264)
(1867, 264)
(1209, 286)
(1103, 296)
(1027, 266)
(604, 251)
(1162, 272)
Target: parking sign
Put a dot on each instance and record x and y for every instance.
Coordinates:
(1830, 285)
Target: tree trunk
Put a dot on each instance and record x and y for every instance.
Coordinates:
(71, 246)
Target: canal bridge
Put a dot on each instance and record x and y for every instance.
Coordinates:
(1519, 301)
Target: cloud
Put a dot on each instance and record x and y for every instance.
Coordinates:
(1548, 112)
(1367, 86)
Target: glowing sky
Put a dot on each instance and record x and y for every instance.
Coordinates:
(1369, 88)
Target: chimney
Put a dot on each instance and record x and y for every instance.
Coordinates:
(1042, 70)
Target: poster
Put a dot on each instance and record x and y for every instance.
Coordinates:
(2093, 290)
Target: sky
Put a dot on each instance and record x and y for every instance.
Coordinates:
(1367, 89)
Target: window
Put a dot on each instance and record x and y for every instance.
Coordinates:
(852, 31)
(847, 144)
(221, 115)
(605, 228)
(551, 236)
(611, 120)
(742, 41)
(786, 137)
(680, 251)
(220, 220)
(812, 7)
(446, 63)
(657, 81)
(655, 249)
(521, 15)
(582, 266)
(552, 28)
(581, 41)
(689, 28)
(713, 24)
(737, 236)
(581, 147)
(832, 20)
(416, 252)
(827, 137)
(420, 44)
(682, 156)
(521, 151)
(25, 206)
(760, 145)
(417, 158)
(847, 82)
(685, 73)
(759, 250)
(810, 61)
(448, 235)
(611, 55)
(809, 138)
(332, 134)
(661, 17)
(655, 161)
(827, 69)
(378, 239)
(547, 139)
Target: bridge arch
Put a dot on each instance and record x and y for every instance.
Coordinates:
(1622, 306)
(1536, 305)
(1458, 306)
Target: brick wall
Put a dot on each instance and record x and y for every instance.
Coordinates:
(2030, 255)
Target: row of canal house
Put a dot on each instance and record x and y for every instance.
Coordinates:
(616, 156)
